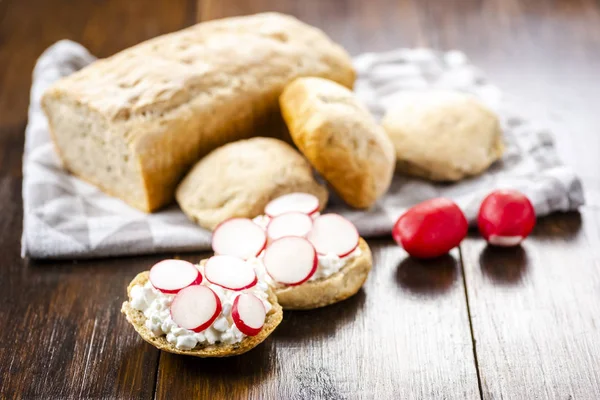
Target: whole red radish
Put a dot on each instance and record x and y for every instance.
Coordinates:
(431, 228)
(506, 217)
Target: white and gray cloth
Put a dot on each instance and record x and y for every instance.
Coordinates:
(65, 217)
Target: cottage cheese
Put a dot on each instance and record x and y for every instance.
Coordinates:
(156, 307)
(331, 263)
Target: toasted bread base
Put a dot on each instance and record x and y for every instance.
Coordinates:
(337, 287)
(137, 319)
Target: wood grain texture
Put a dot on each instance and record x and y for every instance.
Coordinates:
(28, 27)
(62, 332)
(406, 334)
(385, 342)
(535, 311)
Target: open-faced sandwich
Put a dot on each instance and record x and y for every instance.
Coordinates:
(311, 259)
(221, 307)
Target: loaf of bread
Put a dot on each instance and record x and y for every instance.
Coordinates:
(240, 178)
(340, 138)
(134, 123)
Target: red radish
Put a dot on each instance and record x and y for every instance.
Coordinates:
(289, 224)
(239, 237)
(506, 217)
(195, 308)
(170, 276)
(248, 314)
(332, 233)
(291, 260)
(305, 203)
(431, 228)
(230, 272)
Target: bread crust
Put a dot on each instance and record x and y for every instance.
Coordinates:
(240, 178)
(340, 138)
(335, 288)
(137, 319)
(143, 116)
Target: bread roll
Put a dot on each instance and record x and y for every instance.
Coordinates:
(134, 123)
(442, 135)
(240, 178)
(340, 138)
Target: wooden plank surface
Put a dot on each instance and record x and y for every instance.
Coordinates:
(407, 334)
(535, 311)
(62, 332)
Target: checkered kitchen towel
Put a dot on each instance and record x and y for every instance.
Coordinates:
(65, 217)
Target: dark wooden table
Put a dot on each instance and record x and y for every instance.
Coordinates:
(481, 323)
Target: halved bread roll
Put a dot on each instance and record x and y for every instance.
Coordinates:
(335, 288)
(138, 319)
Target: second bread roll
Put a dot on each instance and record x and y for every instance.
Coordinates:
(240, 178)
(340, 138)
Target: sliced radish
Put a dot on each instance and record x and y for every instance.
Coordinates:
(289, 224)
(291, 260)
(239, 237)
(248, 314)
(304, 203)
(506, 217)
(195, 308)
(170, 276)
(230, 272)
(332, 233)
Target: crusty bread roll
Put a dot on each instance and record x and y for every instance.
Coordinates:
(240, 178)
(442, 135)
(137, 319)
(337, 287)
(340, 138)
(132, 124)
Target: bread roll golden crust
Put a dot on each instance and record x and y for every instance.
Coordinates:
(340, 138)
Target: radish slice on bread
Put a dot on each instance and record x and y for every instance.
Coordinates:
(506, 217)
(332, 233)
(230, 272)
(170, 276)
(195, 308)
(239, 237)
(305, 203)
(248, 314)
(289, 224)
(291, 260)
